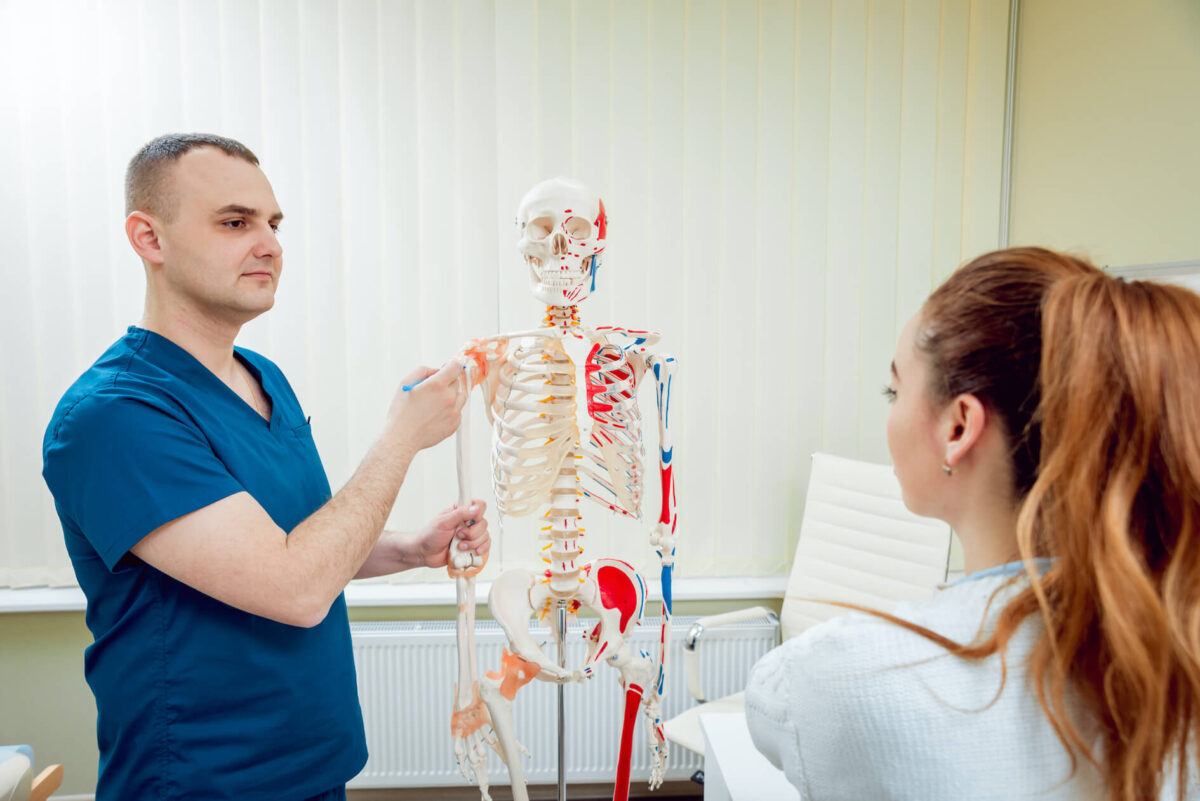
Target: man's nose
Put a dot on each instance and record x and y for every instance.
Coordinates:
(268, 246)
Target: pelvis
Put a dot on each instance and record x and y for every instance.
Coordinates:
(611, 588)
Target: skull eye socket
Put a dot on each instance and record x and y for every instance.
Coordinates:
(539, 229)
(577, 227)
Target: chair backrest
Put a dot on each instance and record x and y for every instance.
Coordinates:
(16, 772)
(860, 544)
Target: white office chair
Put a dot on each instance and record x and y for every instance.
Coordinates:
(858, 544)
(17, 782)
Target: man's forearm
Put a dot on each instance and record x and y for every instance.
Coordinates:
(395, 551)
(332, 544)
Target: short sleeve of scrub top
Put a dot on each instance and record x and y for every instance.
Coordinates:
(130, 465)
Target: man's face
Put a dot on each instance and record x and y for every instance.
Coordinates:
(221, 256)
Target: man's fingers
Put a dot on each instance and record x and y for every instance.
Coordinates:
(419, 374)
(450, 373)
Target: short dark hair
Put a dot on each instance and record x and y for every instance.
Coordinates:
(146, 185)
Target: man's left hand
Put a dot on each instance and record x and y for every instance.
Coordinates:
(432, 543)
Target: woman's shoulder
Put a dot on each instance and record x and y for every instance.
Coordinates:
(957, 612)
(863, 703)
(855, 660)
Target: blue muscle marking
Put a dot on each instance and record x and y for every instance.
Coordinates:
(668, 416)
(666, 587)
(666, 455)
(639, 340)
(593, 274)
(656, 370)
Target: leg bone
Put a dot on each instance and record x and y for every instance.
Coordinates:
(497, 691)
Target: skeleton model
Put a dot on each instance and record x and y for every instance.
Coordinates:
(528, 382)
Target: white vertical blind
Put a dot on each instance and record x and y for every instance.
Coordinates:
(786, 182)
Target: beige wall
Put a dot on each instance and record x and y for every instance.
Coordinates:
(44, 700)
(1106, 146)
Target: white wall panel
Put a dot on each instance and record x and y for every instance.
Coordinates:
(880, 223)
(699, 419)
(786, 179)
(773, 276)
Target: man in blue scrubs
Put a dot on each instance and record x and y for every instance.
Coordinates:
(199, 520)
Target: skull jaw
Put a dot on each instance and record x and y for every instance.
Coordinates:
(567, 288)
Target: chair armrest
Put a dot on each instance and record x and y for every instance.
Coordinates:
(691, 661)
(46, 783)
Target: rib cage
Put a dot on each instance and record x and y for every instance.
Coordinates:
(616, 448)
(534, 424)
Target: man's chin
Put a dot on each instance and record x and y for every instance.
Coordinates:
(250, 308)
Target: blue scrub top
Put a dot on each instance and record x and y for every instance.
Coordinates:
(195, 699)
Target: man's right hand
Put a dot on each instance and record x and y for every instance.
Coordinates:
(430, 411)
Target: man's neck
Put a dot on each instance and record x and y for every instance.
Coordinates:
(210, 341)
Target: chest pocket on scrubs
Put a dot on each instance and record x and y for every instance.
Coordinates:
(316, 485)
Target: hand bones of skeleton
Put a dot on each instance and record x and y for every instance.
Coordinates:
(528, 382)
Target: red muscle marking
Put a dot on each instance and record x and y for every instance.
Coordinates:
(617, 591)
(602, 223)
(668, 495)
(633, 699)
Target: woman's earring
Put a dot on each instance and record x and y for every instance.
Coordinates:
(947, 469)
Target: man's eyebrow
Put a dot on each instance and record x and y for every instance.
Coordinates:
(246, 211)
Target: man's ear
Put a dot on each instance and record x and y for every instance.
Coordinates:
(142, 230)
(966, 420)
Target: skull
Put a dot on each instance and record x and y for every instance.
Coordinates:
(563, 229)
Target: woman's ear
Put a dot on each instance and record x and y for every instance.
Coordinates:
(142, 230)
(964, 424)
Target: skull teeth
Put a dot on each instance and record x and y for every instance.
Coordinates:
(561, 281)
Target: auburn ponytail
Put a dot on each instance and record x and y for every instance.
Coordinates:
(1117, 503)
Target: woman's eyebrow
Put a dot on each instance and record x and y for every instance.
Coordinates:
(895, 375)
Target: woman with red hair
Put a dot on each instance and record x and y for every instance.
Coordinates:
(1051, 414)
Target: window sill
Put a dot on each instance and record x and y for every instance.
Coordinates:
(442, 593)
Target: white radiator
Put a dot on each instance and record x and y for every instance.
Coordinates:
(406, 679)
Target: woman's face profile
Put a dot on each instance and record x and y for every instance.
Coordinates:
(912, 427)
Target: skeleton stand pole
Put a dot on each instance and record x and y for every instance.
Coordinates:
(562, 662)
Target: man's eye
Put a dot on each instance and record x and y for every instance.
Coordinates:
(235, 224)
(275, 227)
